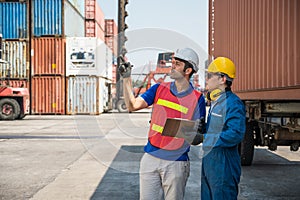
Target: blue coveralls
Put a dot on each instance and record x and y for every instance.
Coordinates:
(221, 168)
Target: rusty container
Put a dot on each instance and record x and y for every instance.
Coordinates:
(111, 35)
(48, 95)
(112, 43)
(16, 53)
(111, 28)
(93, 29)
(15, 83)
(83, 95)
(263, 39)
(48, 56)
(88, 95)
(94, 12)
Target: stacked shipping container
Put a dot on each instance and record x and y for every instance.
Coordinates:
(14, 29)
(52, 21)
(88, 66)
(43, 39)
(88, 70)
(111, 39)
(48, 75)
(94, 20)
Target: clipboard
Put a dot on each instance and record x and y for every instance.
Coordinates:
(180, 128)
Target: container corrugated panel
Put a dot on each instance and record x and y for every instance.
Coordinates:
(262, 38)
(93, 11)
(105, 96)
(47, 95)
(112, 43)
(79, 6)
(14, 20)
(111, 28)
(15, 83)
(109, 64)
(83, 95)
(92, 29)
(48, 56)
(16, 53)
(114, 73)
(47, 17)
(72, 29)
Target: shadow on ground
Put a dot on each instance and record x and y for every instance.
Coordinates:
(121, 180)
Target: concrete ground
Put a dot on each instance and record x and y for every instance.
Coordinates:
(97, 157)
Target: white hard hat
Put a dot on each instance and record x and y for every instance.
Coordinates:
(188, 55)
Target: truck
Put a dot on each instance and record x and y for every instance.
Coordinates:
(14, 101)
(263, 39)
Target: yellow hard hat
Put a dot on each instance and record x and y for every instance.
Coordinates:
(223, 65)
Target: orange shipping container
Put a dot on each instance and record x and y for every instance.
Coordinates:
(47, 95)
(93, 11)
(93, 29)
(262, 38)
(48, 56)
(111, 28)
(114, 73)
(112, 43)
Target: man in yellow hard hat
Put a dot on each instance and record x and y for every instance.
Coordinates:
(221, 168)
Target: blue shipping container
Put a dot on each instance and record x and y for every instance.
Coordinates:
(47, 17)
(13, 20)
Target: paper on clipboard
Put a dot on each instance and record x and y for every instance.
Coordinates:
(181, 128)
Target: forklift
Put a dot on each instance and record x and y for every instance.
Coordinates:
(14, 101)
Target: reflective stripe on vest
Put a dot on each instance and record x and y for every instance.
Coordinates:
(173, 105)
(166, 105)
(157, 128)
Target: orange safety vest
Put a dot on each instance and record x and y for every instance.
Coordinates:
(166, 105)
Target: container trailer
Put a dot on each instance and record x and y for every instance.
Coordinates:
(263, 39)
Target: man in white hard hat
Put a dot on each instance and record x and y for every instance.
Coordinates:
(165, 167)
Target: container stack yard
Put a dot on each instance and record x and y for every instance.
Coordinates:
(89, 66)
(40, 43)
(51, 24)
(15, 46)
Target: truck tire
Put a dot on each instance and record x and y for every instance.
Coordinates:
(9, 109)
(121, 106)
(247, 145)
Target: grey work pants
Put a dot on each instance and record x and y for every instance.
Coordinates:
(162, 179)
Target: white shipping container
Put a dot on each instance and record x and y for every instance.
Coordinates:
(87, 95)
(105, 98)
(108, 64)
(87, 56)
(74, 22)
(15, 53)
